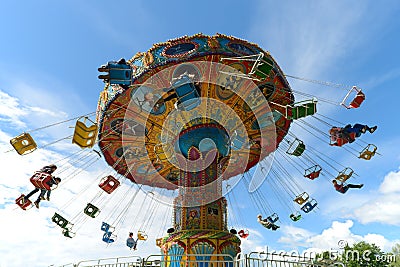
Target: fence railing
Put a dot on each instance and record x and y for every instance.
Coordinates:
(253, 259)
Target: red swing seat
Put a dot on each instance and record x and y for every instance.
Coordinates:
(312, 172)
(40, 180)
(243, 233)
(357, 100)
(109, 184)
(360, 97)
(23, 203)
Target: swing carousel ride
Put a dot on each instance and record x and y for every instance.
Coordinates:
(194, 116)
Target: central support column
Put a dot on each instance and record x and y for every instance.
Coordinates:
(200, 215)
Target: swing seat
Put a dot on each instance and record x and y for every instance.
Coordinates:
(260, 70)
(40, 180)
(84, 136)
(109, 184)
(163, 151)
(360, 97)
(301, 109)
(91, 210)
(356, 101)
(117, 73)
(368, 152)
(142, 235)
(188, 97)
(243, 233)
(295, 216)
(68, 233)
(302, 198)
(23, 144)
(344, 175)
(61, 221)
(312, 172)
(309, 206)
(109, 237)
(273, 218)
(296, 148)
(159, 242)
(106, 227)
(262, 67)
(22, 203)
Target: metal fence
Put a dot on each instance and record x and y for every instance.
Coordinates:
(253, 259)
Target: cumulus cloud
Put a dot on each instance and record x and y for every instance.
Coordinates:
(334, 237)
(15, 114)
(391, 183)
(10, 110)
(385, 206)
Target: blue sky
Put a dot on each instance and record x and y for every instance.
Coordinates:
(50, 52)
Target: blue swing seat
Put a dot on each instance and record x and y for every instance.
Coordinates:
(106, 227)
(273, 218)
(118, 73)
(108, 237)
(188, 97)
(309, 206)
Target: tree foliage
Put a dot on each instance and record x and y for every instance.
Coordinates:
(395, 260)
(363, 254)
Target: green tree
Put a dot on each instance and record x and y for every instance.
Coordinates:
(395, 256)
(363, 254)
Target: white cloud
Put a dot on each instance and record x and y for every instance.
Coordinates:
(10, 110)
(391, 183)
(331, 238)
(383, 209)
(294, 236)
(15, 114)
(385, 206)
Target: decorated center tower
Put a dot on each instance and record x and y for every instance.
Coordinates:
(192, 114)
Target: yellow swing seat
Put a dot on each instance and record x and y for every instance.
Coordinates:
(23, 143)
(141, 235)
(344, 175)
(302, 198)
(84, 136)
(368, 152)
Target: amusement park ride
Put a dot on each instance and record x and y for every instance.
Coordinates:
(190, 115)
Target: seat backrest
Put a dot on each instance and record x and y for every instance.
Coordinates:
(61, 221)
(23, 144)
(141, 235)
(23, 203)
(360, 97)
(109, 184)
(109, 237)
(313, 172)
(302, 198)
(368, 152)
(84, 136)
(91, 210)
(309, 206)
